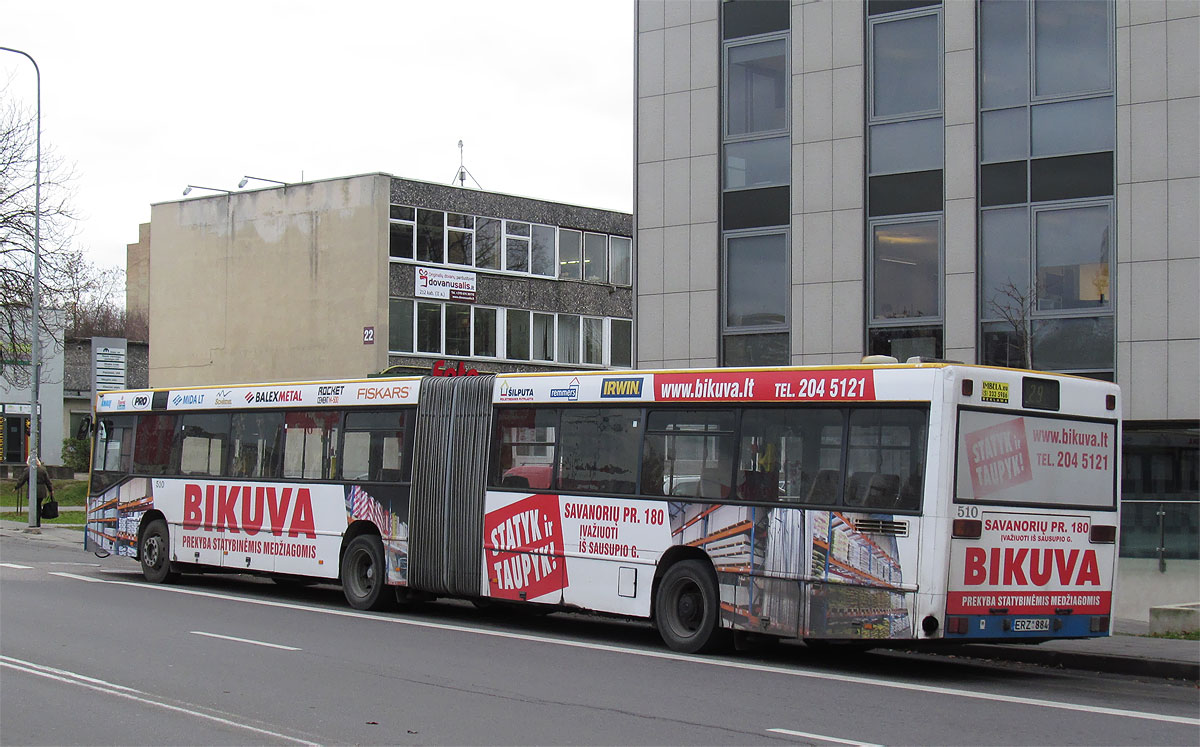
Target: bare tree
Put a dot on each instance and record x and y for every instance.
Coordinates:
(1015, 306)
(68, 281)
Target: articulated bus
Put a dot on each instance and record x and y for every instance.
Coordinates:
(878, 504)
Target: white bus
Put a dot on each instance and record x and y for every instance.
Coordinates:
(868, 503)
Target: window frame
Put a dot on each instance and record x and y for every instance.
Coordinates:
(869, 40)
(928, 320)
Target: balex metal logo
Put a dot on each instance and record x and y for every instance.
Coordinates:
(618, 388)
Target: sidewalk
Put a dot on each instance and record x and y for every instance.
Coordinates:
(1128, 651)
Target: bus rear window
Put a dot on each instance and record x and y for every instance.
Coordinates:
(1011, 458)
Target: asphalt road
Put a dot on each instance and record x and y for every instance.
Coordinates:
(90, 654)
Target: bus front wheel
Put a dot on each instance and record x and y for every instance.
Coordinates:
(364, 575)
(687, 608)
(154, 552)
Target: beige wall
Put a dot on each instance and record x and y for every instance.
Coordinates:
(273, 284)
(137, 274)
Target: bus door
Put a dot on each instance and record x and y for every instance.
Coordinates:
(450, 456)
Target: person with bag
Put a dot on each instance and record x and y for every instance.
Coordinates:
(45, 489)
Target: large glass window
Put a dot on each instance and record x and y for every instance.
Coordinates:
(756, 87)
(1073, 248)
(598, 451)
(1003, 53)
(757, 281)
(1071, 46)
(756, 350)
(885, 459)
(906, 66)
(460, 239)
(1004, 237)
(906, 270)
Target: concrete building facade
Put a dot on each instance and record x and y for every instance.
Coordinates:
(346, 277)
(1011, 183)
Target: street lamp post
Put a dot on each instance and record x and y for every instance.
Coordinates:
(35, 320)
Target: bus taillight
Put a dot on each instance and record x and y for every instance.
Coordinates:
(968, 528)
(1103, 533)
(957, 625)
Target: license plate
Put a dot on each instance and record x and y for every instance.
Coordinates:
(1025, 624)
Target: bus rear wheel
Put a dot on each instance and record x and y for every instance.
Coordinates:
(154, 552)
(364, 575)
(687, 608)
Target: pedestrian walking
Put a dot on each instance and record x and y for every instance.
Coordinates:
(45, 489)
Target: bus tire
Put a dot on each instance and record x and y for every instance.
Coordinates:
(154, 552)
(364, 575)
(687, 608)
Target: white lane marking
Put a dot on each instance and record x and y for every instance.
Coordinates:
(823, 738)
(72, 562)
(916, 687)
(14, 565)
(111, 688)
(77, 577)
(244, 640)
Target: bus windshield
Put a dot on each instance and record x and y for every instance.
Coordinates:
(1019, 459)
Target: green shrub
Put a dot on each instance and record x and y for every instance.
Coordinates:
(76, 453)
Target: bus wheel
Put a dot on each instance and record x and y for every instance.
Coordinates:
(364, 576)
(687, 608)
(154, 550)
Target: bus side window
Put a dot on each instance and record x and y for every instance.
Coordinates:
(523, 447)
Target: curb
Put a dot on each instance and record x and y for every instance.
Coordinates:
(1141, 667)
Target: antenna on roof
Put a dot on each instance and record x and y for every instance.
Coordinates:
(462, 173)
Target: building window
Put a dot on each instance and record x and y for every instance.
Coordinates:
(595, 257)
(516, 341)
(542, 251)
(906, 270)
(458, 330)
(542, 338)
(487, 243)
(905, 185)
(620, 260)
(568, 338)
(593, 341)
(516, 246)
(757, 286)
(460, 239)
(905, 63)
(756, 93)
(401, 232)
(621, 343)
(400, 325)
(570, 255)
(429, 328)
(484, 332)
(1047, 127)
(431, 236)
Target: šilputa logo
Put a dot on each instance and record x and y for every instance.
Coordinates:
(508, 392)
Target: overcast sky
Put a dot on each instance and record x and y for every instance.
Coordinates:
(143, 98)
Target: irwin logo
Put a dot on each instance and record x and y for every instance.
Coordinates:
(621, 388)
